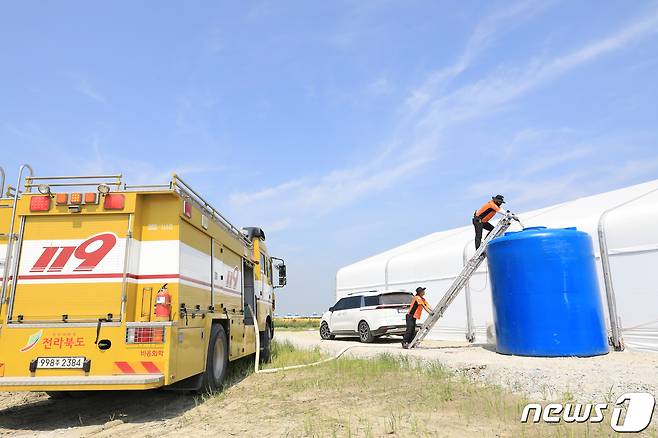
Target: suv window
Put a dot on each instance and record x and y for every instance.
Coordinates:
(372, 300)
(340, 305)
(396, 298)
(353, 302)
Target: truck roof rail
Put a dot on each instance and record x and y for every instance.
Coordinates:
(176, 184)
(185, 190)
(73, 181)
(155, 187)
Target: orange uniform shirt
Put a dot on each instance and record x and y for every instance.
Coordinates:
(487, 211)
(416, 306)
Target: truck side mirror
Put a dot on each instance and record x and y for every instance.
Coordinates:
(281, 267)
(282, 275)
(331, 309)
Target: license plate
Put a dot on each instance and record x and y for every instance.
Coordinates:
(402, 310)
(60, 362)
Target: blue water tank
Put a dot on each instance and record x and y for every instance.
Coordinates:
(545, 293)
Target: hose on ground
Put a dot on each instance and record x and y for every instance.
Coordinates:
(320, 362)
(293, 367)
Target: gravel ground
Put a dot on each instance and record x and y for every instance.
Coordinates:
(595, 379)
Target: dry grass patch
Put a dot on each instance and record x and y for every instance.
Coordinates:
(297, 323)
(386, 395)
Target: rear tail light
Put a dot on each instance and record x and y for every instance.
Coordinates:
(145, 335)
(114, 202)
(76, 198)
(40, 203)
(91, 198)
(62, 198)
(187, 209)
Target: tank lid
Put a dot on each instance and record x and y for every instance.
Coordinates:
(530, 232)
(509, 233)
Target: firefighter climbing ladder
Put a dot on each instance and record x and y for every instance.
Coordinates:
(459, 283)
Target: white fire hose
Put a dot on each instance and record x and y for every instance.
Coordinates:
(293, 367)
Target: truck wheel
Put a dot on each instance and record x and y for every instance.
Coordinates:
(58, 394)
(365, 335)
(266, 345)
(217, 362)
(325, 333)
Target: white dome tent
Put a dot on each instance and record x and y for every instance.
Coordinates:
(627, 219)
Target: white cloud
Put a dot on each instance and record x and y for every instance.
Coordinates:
(494, 92)
(85, 87)
(279, 225)
(504, 86)
(139, 172)
(317, 196)
(418, 136)
(267, 193)
(632, 169)
(379, 86)
(484, 35)
(552, 159)
(528, 191)
(344, 187)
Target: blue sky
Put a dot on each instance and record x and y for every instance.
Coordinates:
(341, 128)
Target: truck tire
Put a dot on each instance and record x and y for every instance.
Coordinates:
(266, 345)
(217, 361)
(57, 395)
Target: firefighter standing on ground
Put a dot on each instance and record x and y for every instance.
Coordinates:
(482, 217)
(418, 303)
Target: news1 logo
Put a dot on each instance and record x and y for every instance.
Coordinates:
(639, 412)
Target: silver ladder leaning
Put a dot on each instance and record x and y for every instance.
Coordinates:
(459, 283)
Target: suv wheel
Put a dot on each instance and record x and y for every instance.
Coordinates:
(365, 335)
(325, 333)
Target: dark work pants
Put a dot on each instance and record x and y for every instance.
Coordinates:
(479, 226)
(411, 329)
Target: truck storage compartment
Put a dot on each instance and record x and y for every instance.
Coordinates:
(70, 268)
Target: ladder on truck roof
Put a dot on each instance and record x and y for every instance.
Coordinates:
(463, 277)
(9, 268)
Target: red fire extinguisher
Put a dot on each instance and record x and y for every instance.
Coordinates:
(163, 304)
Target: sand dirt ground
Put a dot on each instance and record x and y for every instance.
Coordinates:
(598, 379)
(259, 405)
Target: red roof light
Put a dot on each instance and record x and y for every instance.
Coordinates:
(40, 203)
(114, 202)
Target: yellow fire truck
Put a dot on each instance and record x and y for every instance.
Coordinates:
(107, 286)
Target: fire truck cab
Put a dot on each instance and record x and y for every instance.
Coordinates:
(107, 286)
